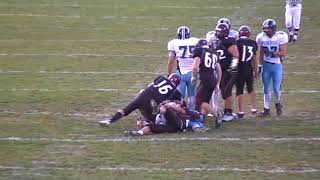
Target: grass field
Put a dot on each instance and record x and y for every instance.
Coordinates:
(65, 64)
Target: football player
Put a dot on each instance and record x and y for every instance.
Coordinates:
(248, 69)
(148, 99)
(215, 98)
(273, 47)
(206, 64)
(228, 55)
(232, 33)
(173, 117)
(292, 17)
(181, 49)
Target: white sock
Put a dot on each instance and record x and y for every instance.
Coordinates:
(277, 94)
(192, 102)
(267, 100)
(215, 97)
(140, 132)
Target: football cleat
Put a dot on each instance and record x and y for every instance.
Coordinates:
(241, 115)
(105, 122)
(265, 113)
(278, 109)
(290, 38)
(294, 39)
(132, 133)
(254, 113)
(227, 117)
(199, 128)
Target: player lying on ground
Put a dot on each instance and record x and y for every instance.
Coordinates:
(174, 117)
(148, 100)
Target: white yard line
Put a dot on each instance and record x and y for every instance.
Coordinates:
(81, 40)
(77, 72)
(117, 72)
(277, 170)
(79, 54)
(101, 6)
(129, 90)
(155, 139)
(109, 55)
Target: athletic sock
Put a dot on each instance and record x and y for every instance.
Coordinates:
(267, 100)
(116, 117)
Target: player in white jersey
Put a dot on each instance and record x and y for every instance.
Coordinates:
(273, 47)
(181, 50)
(232, 33)
(293, 17)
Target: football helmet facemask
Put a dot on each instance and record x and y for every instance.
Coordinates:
(222, 30)
(175, 79)
(183, 32)
(244, 31)
(269, 27)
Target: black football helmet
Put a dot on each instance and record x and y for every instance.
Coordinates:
(183, 32)
(224, 20)
(175, 78)
(269, 27)
(222, 30)
(244, 31)
(203, 43)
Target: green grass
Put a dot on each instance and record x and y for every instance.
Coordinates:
(66, 51)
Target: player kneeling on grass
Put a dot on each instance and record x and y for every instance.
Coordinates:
(173, 117)
(148, 100)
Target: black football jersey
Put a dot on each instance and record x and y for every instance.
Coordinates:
(247, 49)
(162, 89)
(225, 58)
(208, 62)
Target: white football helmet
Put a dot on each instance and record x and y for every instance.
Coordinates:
(183, 32)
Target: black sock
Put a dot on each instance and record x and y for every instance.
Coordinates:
(116, 117)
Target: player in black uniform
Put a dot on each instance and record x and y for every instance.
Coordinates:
(206, 64)
(148, 99)
(228, 55)
(173, 117)
(248, 69)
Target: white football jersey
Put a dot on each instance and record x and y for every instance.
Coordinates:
(183, 50)
(272, 44)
